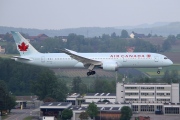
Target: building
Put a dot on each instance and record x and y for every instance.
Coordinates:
(23, 100)
(136, 35)
(63, 38)
(107, 110)
(38, 37)
(97, 97)
(150, 97)
(154, 98)
(76, 99)
(53, 108)
(148, 93)
(2, 50)
(130, 49)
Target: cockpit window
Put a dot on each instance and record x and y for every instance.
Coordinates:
(165, 58)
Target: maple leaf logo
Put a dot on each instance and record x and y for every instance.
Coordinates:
(23, 47)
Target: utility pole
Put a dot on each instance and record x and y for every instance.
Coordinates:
(116, 85)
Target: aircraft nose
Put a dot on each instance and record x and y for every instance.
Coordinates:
(170, 62)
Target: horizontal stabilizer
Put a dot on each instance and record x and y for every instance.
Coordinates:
(21, 58)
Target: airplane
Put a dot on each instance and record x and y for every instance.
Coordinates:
(90, 61)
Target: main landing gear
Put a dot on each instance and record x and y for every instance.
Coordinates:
(158, 72)
(91, 73)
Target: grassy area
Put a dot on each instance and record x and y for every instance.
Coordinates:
(153, 71)
(87, 80)
(4, 117)
(28, 118)
(82, 73)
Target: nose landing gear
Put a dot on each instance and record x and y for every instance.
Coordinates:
(91, 73)
(159, 68)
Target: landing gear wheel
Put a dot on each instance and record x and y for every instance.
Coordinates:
(88, 73)
(91, 73)
(158, 72)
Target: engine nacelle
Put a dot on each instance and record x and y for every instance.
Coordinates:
(110, 65)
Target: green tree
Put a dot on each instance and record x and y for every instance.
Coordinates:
(44, 85)
(142, 46)
(174, 76)
(17, 76)
(167, 76)
(67, 114)
(105, 37)
(11, 102)
(49, 99)
(124, 34)
(7, 101)
(83, 88)
(60, 90)
(166, 45)
(172, 39)
(103, 86)
(113, 35)
(92, 110)
(76, 84)
(149, 35)
(83, 115)
(2, 96)
(126, 113)
(11, 48)
(8, 37)
(178, 36)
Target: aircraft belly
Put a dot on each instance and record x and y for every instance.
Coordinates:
(79, 65)
(63, 64)
(52, 64)
(139, 63)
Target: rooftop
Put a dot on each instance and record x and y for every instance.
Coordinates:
(74, 95)
(100, 94)
(99, 108)
(145, 83)
(26, 98)
(56, 104)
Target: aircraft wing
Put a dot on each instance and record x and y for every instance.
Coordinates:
(21, 58)
(84, 60)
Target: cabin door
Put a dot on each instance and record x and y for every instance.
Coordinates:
(156, 58)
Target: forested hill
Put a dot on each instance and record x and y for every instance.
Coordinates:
(164, 30)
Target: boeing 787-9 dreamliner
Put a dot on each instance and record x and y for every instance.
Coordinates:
(90, 61)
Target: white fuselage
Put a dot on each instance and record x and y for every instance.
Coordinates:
(133, 60)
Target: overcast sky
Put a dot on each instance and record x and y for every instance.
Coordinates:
(59, 14)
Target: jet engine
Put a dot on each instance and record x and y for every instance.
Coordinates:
(110, 65)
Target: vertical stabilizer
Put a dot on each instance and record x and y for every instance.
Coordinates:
(23, 45)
